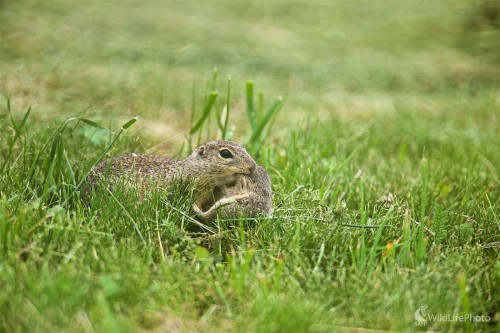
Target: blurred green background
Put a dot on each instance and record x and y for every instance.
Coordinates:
(391, 117)
(350, 59)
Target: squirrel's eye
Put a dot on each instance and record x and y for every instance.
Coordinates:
(224, 153)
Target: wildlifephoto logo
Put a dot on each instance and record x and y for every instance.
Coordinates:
(422, 317)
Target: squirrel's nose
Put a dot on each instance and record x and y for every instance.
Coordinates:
(252, 167)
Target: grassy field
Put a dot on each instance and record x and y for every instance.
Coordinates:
(384, 159)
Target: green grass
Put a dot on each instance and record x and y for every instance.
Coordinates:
(383, 157)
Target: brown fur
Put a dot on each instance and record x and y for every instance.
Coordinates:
(204, 167)
(248, 196)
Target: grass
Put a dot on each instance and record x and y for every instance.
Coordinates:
(383, 158)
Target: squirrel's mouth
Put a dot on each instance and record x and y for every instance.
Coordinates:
(247, 172)
(232, 183)
(233, 179)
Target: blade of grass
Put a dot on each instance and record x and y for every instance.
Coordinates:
(262, 124)
(420, 246)
(18, 130)
(91, 123)
(373, 250)
(206, 112)
(227, 109)
(54, 156)
(250, 107)
(136, 227)
(362, 245)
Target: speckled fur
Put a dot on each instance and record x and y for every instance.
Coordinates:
(204, 167)
(249, 196)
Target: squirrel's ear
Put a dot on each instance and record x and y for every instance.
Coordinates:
(201, 150)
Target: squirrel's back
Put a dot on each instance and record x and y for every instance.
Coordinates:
(212, 164)
(144, 165)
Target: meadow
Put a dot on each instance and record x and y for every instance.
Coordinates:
(377, 121)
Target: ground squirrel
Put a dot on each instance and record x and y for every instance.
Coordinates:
(248, 196)
(218, 169)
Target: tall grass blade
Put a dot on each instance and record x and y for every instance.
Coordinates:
(362, 259)
(136, 227)
(91, 123)
(256, 134)
(373, 250)
(227, 110)
(421, 243)
(54, 159)
(18, 130)
(206, 112)
(252, 118)
(214, 79)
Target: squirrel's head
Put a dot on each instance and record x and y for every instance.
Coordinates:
(222, 161)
